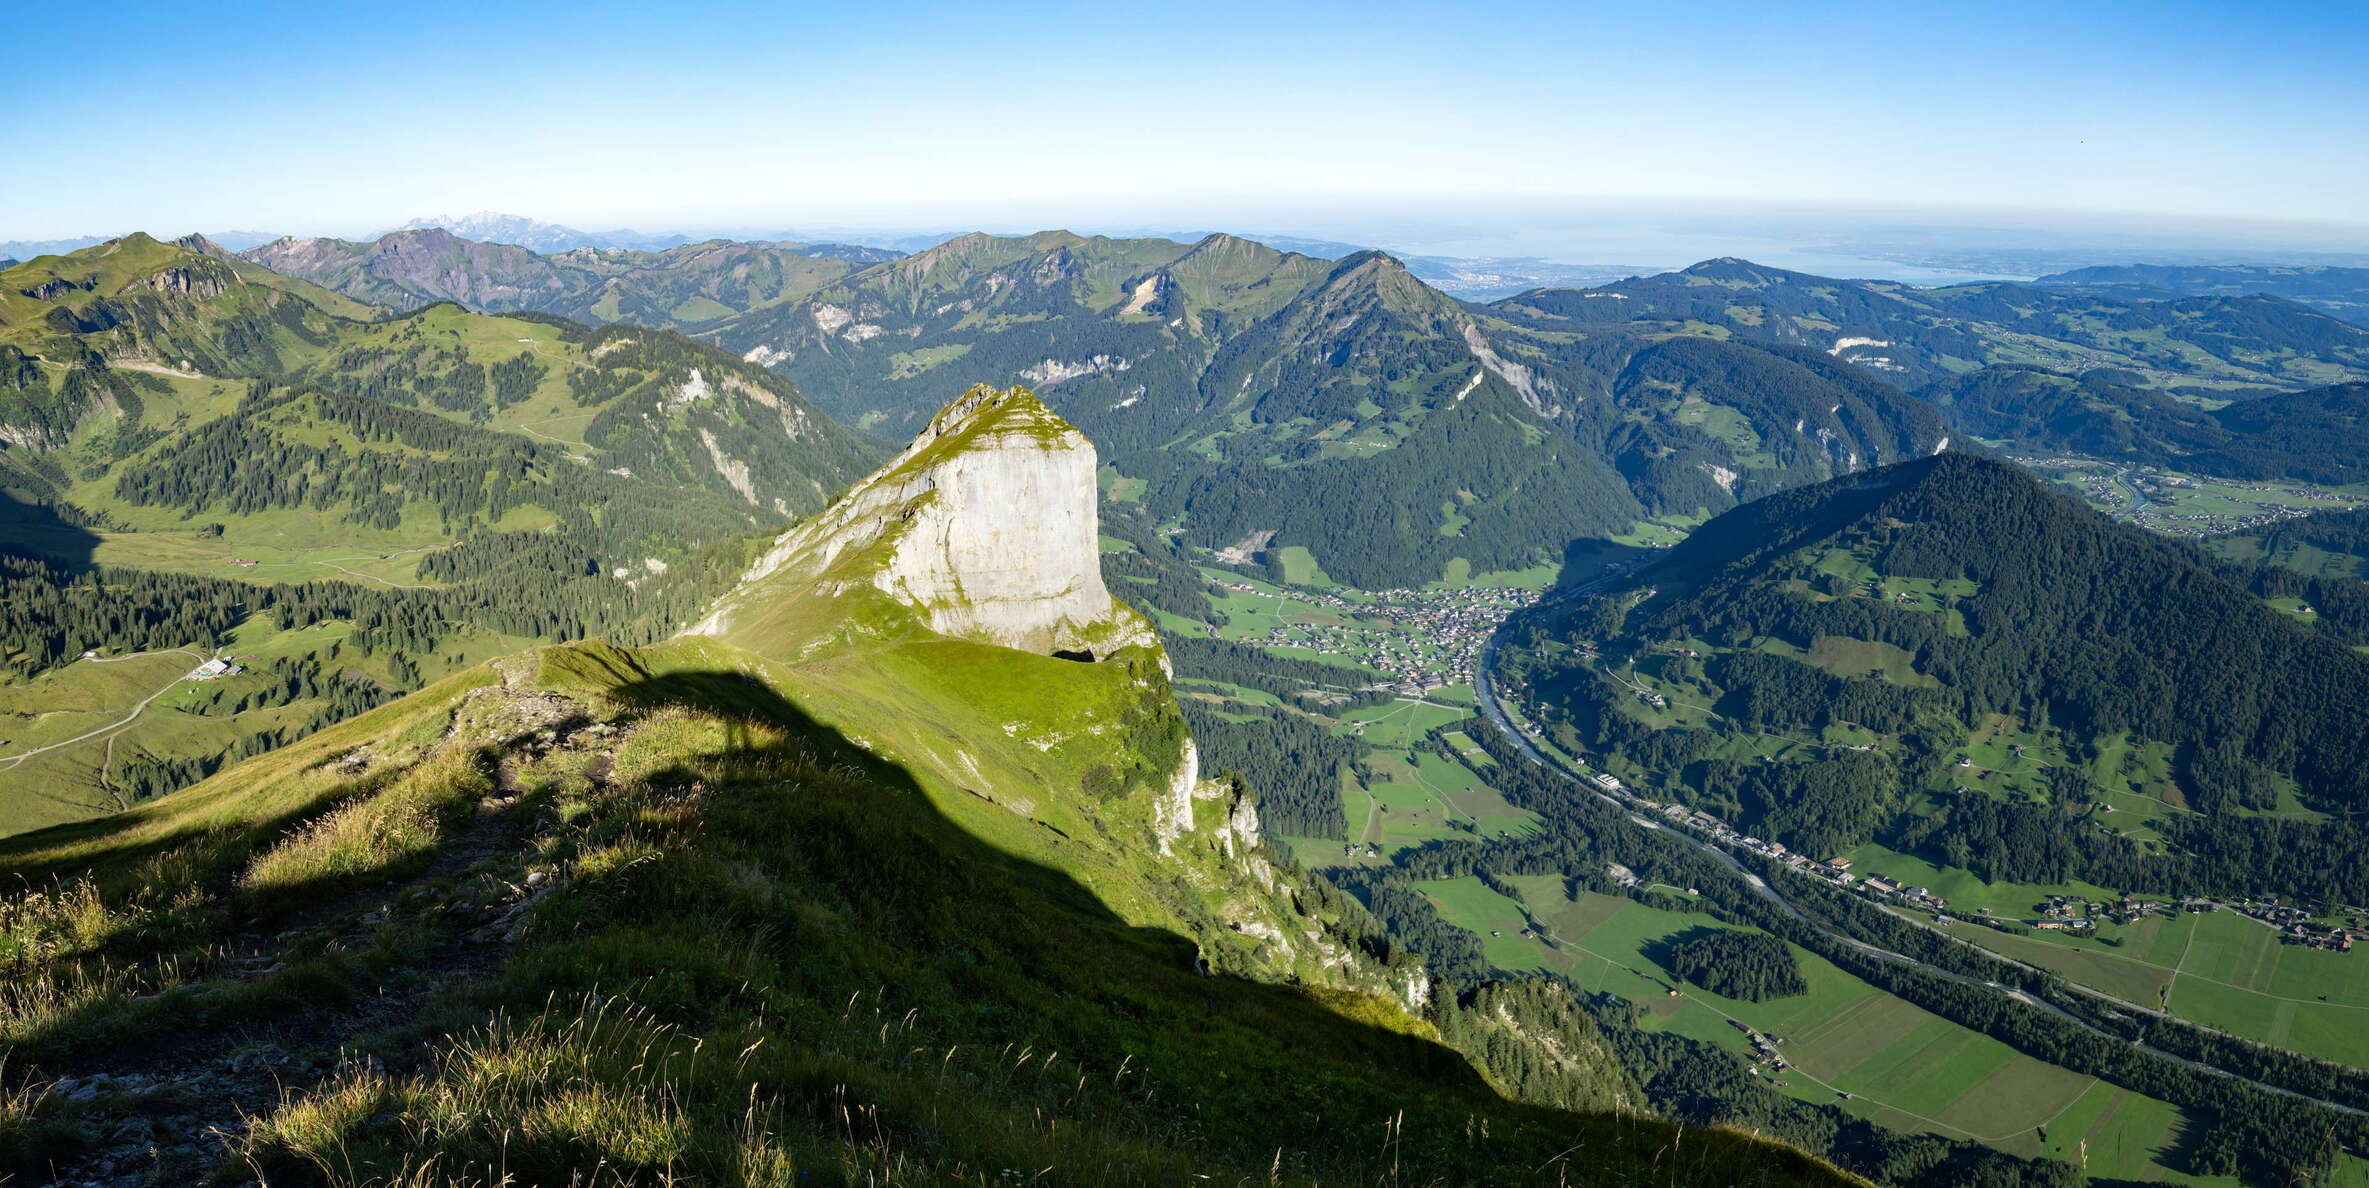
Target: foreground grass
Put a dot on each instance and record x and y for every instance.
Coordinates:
(755, 954)
(773, 962)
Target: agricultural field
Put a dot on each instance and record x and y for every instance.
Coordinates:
(1900, 1065)
(2191, 505)
(2219, 969)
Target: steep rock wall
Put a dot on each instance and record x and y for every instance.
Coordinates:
(984, 528)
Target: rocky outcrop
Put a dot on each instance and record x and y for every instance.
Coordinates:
(200, 279)
(984, 528)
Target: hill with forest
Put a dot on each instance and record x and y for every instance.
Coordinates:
(198, 455)
(714, 909)
(2200, 345)
(1257, 398)
(2319, 435)
(1342, 406)
(1948, 658)
(2335, 291)
(681, 286)
(2333, 544)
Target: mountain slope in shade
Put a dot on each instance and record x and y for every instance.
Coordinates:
(949, 886)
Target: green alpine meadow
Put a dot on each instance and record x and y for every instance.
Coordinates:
(728, 595)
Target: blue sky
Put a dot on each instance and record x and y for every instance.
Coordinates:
(345, 118)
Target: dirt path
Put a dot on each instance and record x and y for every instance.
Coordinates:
(11, 761)
(388, 557)
(167, 1107)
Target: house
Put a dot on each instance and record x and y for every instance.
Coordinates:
(1838, 864)
(1879, 884)
(216, 667)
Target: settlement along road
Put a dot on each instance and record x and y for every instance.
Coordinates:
(1484, 686)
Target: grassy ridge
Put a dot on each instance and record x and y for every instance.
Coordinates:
(763, 961)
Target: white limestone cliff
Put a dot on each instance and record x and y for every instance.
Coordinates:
(984, 527)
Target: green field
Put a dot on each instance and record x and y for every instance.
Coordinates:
(1902, 1066)
(1399, 724)
(64, 733)
(2220, 969)
(1300, 567)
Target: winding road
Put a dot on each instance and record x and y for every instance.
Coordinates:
(11, 761)
(1492, 708)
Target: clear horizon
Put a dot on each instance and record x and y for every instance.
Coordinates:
(277, 118)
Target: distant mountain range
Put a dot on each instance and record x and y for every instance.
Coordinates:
(685, 286)
(2229, 345)
(1295, 379)
(1342, 406)
(489, 226)
(17, 250)
(2339, 292)
(2318, 435)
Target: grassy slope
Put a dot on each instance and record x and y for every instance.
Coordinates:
(730, 867)
(299, 335)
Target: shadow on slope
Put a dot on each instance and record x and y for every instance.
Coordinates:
(1588, 558)
(775, 887)
(36, 530)
(767, 955)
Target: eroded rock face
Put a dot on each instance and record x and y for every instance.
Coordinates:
(1001, 545)
(984, 527)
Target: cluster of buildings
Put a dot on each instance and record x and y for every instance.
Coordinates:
(2295, 925)
(1764, 1049)
(1882, 886)
(1423, 641)
(2298, 927)
(1835, 870)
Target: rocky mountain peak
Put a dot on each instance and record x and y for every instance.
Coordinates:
(984, 528)
(202, 246)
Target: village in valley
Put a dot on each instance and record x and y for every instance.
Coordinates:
(1423, 640)
(2185, 505)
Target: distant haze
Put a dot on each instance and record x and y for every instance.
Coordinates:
(1722, 128)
